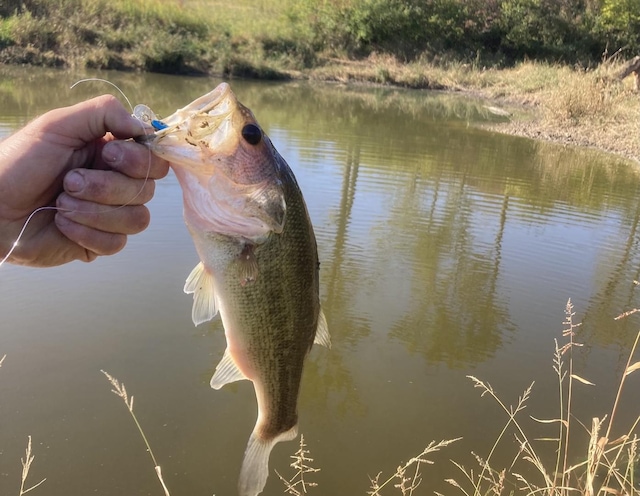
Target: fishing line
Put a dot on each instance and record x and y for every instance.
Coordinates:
(24, 227)
(110, 209)
(144, 131)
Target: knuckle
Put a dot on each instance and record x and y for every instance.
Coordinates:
(107, 101)
(96, 189)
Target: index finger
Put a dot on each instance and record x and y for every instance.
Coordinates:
(134, 160)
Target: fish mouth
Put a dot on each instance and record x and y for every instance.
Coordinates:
(205, 147)
(193, 133)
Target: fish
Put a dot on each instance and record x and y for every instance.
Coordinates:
(258, 266)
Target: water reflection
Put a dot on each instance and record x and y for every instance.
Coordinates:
(445, 250)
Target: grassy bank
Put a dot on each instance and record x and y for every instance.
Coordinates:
(482, 51)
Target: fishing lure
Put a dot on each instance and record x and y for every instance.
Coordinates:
(145, 114)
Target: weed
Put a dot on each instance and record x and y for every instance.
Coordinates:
(407, 481)
(297, 485)
(608, 466)
(26, 466)
(120, 390)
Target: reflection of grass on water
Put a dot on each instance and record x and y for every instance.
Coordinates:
(607, 466)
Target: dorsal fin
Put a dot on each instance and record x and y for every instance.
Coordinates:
(200, 283)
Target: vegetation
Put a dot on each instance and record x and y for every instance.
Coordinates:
(547, 54)
(282, 35)
(605, 466)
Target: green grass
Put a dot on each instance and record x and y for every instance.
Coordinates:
(308, 39)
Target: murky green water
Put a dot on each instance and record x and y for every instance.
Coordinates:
(446, 251)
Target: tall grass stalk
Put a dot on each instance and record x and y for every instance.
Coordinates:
(297, 485)
(565, 421)
(26, 461)
(407, 482)
(26, 466)
(602, 470)
(120, 390)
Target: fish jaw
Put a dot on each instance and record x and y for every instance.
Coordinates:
(231, 180)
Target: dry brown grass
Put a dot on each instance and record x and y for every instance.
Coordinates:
(586, 108)
(26, 462)
(298, 484)
(120, 390)
(607, 467)
(26, 466)
(589, 108)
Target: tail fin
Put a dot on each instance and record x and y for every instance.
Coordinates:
(255, 466)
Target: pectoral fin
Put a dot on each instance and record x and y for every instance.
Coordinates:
(322, 332)
(248, 265)
(226, 371)
(200, 283)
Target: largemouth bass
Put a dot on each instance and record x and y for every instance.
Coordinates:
(259, 262)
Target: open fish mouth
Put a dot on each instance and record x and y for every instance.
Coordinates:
(204, 124)
(224, 161)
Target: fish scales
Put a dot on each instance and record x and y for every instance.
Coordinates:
(268, 310)
(259, 264)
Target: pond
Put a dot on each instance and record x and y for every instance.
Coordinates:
(446, 251)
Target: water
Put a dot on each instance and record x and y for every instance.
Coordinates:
(446, 251)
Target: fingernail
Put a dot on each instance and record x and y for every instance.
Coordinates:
(74, 182)
(112, 152)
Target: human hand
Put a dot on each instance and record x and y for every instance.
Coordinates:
(76, 159)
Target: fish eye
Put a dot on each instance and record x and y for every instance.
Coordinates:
(252, 134)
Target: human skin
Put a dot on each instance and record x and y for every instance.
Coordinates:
(80, 160)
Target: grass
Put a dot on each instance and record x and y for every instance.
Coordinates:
(26, 466)
(26, 462)
(273, 40)
(120, 390)
(297, 485)
(606, 466)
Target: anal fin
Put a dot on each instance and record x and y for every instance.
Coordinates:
(226, 371)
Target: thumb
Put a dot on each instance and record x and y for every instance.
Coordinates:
(87, 121)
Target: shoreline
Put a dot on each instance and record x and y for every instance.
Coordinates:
(612, 126)
(577, 100)
(528, 111)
